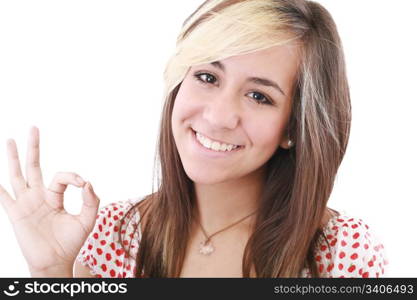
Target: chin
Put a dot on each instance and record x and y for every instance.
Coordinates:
(205, 176)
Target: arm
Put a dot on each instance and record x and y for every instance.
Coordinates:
(55, 272)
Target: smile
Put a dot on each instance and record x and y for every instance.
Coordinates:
(214, 145)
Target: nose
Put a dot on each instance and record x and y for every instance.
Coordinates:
(222, 111)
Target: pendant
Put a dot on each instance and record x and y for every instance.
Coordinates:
(206, 248)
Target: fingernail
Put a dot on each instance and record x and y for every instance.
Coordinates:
(79, 180)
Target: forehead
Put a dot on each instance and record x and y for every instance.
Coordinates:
(273, 59)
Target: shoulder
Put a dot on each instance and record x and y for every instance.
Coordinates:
(117, 229)
(350, 248)
(111, 214)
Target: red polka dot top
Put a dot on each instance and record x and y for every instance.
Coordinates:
(352, 249)
(103, 252)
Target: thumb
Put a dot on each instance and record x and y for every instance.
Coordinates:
(90, 207)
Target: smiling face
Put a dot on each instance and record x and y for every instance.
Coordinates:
(242, 100)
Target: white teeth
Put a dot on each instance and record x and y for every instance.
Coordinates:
(216, 146)
(206, 143)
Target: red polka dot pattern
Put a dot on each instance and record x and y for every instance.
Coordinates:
(103, 253)
(354, 251)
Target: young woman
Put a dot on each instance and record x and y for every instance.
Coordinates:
(255, 125)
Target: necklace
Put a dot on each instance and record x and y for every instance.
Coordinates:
(206, 247)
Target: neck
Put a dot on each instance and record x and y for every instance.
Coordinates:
(221, 204)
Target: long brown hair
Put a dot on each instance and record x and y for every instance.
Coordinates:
(299, 180)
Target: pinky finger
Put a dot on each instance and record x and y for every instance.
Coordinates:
(5, 199)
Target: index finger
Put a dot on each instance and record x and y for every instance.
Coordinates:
(33, 167)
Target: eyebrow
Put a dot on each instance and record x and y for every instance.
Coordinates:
(256, 80)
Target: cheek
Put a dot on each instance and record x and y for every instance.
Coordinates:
(268, 130)
(266, 134)
(180, 107)
(185, 106)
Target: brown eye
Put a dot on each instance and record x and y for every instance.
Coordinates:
(260, 98)
(205, 78)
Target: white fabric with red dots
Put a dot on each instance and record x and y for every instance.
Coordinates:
(103, 253)
(353, 251)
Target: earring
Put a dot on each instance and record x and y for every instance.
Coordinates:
(290, 143)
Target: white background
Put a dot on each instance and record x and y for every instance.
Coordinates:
(89, 75)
